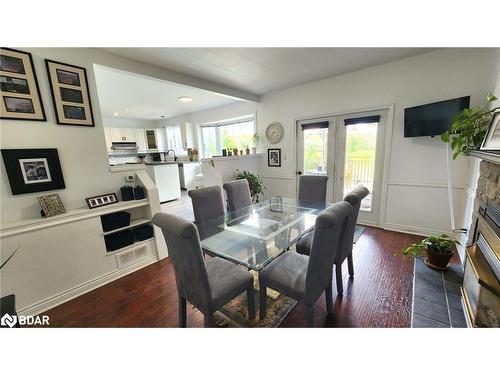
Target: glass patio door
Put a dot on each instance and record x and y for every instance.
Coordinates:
(360, 148)
(349, 149)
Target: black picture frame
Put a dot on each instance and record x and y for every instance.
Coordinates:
(491, 141)
(274, 157)
(26, 73)
(101, 200)
(44, 162)
(65, 110)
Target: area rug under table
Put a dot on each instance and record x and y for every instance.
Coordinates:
(235, 313)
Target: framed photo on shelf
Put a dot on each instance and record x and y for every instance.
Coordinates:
(275, 204)
(101, 200)
(274, 157)
(491, 142)
(51, 205)
(33, 170)
(19, 88)
(70, 94)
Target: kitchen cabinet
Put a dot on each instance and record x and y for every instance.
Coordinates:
(166, 178)
(187, 135)
(151, 143)
(140, 138)
(161, 139)
(122, 134)
(107, 136)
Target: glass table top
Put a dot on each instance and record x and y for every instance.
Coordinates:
(255, 235)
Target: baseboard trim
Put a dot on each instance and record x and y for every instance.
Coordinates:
(86, 287)
(414, 230)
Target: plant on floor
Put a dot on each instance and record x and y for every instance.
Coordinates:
(4, 263)
(469, 128)
(439, 250)
(254, 182)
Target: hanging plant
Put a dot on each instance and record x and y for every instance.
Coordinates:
(469, 128)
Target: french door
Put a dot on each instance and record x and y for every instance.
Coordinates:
(349, 149)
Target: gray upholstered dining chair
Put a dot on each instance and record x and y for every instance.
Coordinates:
(303, 246)
(306, 278)
(208, 203)
(207, 285)
(312, 188)
(238, 194)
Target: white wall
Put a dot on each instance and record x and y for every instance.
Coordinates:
(115, 122)
(416, 184)
(82, 150)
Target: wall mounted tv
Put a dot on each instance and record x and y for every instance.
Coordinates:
(433, 119)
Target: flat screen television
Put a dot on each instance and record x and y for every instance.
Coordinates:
(433, 119)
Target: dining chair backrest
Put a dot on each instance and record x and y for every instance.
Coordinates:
(208, 203)
(238, 194)
(354, 198)
(328, 229)
(184, 250)
(312, 188)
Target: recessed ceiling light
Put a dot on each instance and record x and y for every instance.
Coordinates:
(126, 110)
(185, 98)
(115, 114)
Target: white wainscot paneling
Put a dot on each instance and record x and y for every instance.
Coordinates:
(423, 209)
(279, 186)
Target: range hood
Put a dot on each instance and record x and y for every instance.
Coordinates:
(124, 146)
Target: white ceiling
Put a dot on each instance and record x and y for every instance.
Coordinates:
(263, 70)
(138, 97)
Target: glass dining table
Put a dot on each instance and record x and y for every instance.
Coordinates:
(255, 235)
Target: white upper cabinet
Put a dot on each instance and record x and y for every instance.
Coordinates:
(151, 142)
(107, 136)
(187, 135)
(129, 134)
(116, 135)
(161, 139)
(140, 138)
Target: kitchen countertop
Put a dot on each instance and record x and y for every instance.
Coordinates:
(170, 162)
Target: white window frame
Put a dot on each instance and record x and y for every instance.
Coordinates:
(219, 124)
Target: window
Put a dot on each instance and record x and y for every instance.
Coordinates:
(229, 134)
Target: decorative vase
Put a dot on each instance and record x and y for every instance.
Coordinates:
(224, 152)
(229, 153)
(247, 151)
(235, 151)
(241, 152)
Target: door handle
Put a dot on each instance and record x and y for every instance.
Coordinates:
(299, 173)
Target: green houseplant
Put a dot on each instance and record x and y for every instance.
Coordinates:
(439, 250)
(469, 128)
(254, 182)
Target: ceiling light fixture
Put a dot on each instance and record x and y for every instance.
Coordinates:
(185, 98)
(115, 114)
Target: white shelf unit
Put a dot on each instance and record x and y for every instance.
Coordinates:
(64, 256)
(138, 216)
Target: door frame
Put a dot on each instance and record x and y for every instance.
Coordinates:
(386, 157)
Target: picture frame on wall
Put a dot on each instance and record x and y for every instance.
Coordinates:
(101, 200)
(491, 142)
(274, 157)
(20, 93)
(33, 170)
(51, 205)
(70, 94)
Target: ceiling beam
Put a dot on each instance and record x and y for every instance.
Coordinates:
(133, 66)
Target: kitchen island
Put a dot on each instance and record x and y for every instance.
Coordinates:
(165, 174)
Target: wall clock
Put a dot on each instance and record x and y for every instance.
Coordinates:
(274, 132)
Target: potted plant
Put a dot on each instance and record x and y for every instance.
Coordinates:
(255, 142)
(254, 182)
(235, 151)
(247, 150)
(469, 128)
(439, 250)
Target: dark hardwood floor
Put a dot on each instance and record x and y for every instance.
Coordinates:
(380, 295)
